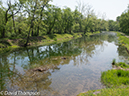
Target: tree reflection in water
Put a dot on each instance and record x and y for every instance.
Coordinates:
(16, 68)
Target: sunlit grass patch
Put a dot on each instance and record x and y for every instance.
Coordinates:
(90, 33)
(107, 92)
(113, 78)
(122, 65)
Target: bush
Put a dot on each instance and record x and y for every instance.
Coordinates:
(55, 39)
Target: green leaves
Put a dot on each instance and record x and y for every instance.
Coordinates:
(40, 18)
(124, 22)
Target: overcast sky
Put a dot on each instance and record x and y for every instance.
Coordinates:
(112, 8)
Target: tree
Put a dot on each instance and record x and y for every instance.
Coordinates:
(34, 5)
(77, 21)
(32, 18)
(1, 20)
(87, 12)
(11, 10)
(43, 4)
(52, 16)
(124, 21)
(68, 20)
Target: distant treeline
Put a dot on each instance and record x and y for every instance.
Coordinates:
(25, 18)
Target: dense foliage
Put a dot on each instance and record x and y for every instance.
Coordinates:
(124, 21)
(25, 18)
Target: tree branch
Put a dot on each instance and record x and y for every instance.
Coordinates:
(15, 13)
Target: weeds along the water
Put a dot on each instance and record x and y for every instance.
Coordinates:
(115, 78)
(122, 65)
(123, 40)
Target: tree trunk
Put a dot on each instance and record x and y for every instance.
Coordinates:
(3, 33)
(41, 15)
(13, 23)
(31, 26)
(6, 20)
(37, 31)
(19, 30)
(32, 34)
(27, 38)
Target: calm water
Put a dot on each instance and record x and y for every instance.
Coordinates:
(86, 58)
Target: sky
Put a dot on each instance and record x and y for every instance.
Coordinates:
(112, 8)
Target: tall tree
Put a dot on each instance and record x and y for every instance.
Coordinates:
(52, 16)
(34, 2)
(12, 9)
(87, 11)
(124, 21)
(68, 20)
(34, 6)
(43, 4)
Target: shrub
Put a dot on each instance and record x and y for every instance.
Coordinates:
(55, 39)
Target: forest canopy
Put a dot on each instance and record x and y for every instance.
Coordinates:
(25, 18)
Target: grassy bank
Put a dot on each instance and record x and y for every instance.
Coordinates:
(123, 39)
(37, 41)
(7, 44)
(117, 79)
(123, 91)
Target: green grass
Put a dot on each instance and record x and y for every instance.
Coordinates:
(8, 43)
(117, 82)
(108, 92)
(118, 77)
(90, 33)
(122, 65)
(115, 78)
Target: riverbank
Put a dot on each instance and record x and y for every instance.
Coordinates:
(123, 40)
(7, 44)
(116, 80)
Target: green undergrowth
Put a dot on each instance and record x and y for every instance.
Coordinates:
(123, 39)
(7, 44)
(55, 38)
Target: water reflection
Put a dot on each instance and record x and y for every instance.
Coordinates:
(123, 54)
(85, 57)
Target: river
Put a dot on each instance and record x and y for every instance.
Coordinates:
(71, 67)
